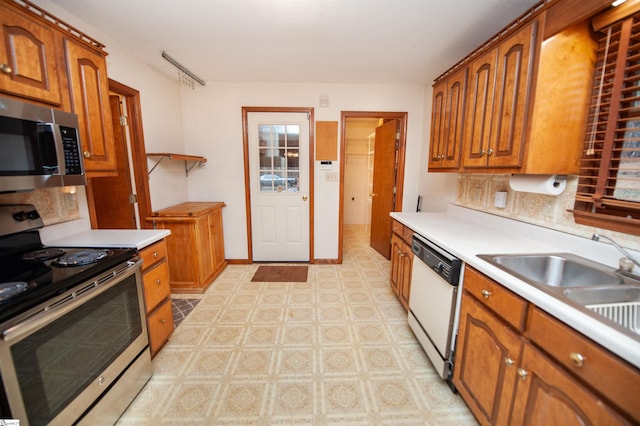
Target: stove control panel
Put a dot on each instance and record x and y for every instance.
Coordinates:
(18, 218)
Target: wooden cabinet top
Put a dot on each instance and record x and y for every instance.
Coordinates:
(189, 209)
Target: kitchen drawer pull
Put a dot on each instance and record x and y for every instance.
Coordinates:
(163, 321)
(508, 362)
(155, 254)
(158, 281)
(522, 373)
(577, 359)
(486, 294)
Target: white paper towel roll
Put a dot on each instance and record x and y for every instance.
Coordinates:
(539, 184)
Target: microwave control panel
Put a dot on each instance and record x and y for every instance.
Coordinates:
(71, 146)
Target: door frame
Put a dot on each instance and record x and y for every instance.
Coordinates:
(247, 184)
(402, 116)
(131, 97)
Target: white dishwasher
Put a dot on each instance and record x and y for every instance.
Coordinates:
(434, 301)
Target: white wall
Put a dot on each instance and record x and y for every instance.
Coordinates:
(212, 121)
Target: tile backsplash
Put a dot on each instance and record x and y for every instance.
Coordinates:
(55, 205)
(478, 191)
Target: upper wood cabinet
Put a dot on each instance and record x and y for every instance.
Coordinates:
(447, 121)
(89, 90)
(28, 58)
(527, 98)
(45, 60)
(497, 107)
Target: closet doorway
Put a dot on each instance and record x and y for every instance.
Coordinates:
(371, 186)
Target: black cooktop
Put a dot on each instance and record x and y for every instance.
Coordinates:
(31, 274)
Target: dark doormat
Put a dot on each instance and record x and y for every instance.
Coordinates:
(279, 274)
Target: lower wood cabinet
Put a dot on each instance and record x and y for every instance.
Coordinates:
(401, 262)
(157, 294)
(516, 364)
(195, 246)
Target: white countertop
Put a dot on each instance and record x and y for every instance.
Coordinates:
(466, 233)
(138, 238)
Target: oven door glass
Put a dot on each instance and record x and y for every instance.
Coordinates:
(55, 363)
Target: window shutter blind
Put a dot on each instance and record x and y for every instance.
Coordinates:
(608, 192)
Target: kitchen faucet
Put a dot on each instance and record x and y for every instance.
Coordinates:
(597, 237)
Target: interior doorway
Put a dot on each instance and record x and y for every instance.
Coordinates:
(123, 201)
(359, 202)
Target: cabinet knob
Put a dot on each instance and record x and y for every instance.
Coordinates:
(522, 373)
(5, 68)
(486, 294)
(86, 154)
(155, 254)
(163, 321)
(490, 152)
(158, 281)
(482, 152)
(508, 362)
(577, 359)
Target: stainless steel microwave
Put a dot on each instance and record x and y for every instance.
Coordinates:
(39, 147)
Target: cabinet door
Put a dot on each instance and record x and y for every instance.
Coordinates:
(479, 107)
(29, 67)
(217, 239)
(454, 120)
(513, 82)
(396, 263)
(406, 267)
(547, 395)
(90, 100)
(485, 362)
(437, 124)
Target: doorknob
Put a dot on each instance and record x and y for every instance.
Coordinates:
(304, 198)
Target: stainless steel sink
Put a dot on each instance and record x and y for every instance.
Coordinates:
(620, 304)
(604, 295)
(555, 269)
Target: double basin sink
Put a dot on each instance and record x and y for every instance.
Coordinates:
(598, 288)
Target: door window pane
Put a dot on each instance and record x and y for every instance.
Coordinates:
(279, 154)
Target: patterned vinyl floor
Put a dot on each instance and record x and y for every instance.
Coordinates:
(334, 350)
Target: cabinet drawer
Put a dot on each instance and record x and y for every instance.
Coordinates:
(407, 235)
(160, 326)
(156, 285)
(153, 254)
(397, 227)
(596, 366)
(494, 296)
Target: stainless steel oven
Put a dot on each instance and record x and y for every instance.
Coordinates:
(73, 341)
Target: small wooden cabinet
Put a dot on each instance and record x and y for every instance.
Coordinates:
(401, 262)
(447, 118)
(29, 64)
(195, 246)
(157, 294)
(515, 364)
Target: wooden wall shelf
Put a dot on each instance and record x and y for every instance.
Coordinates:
(194, 159)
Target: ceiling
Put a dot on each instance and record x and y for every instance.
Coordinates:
(318, 41)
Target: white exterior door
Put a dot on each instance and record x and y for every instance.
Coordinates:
(279, 180)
